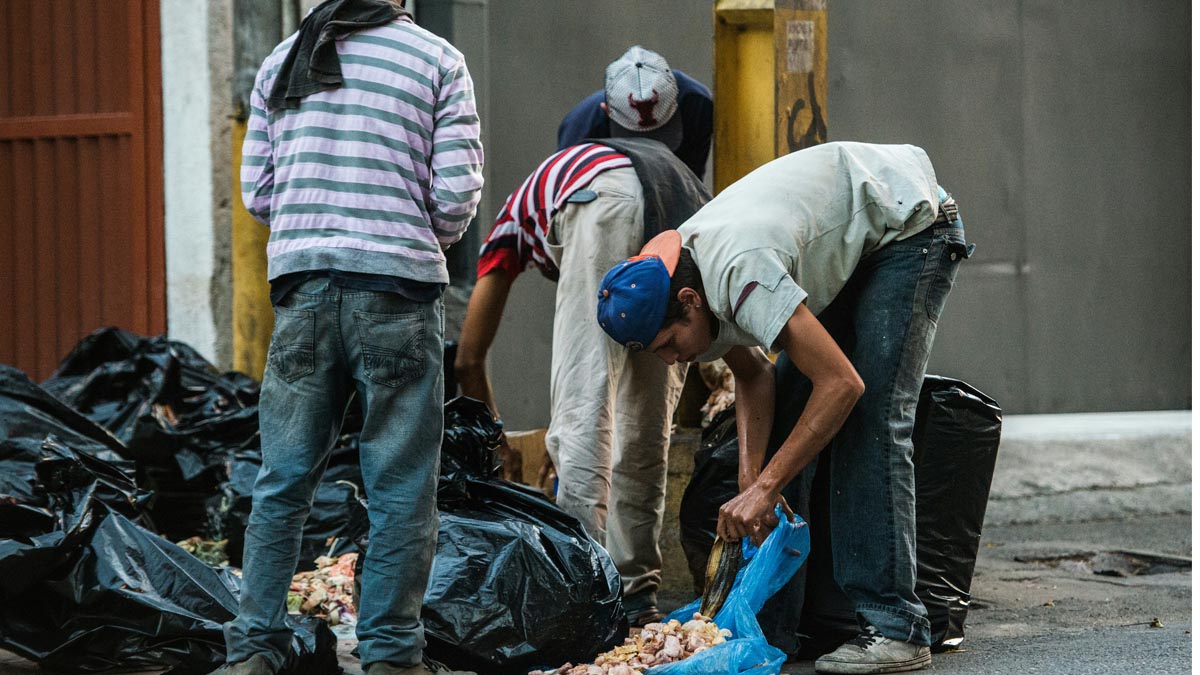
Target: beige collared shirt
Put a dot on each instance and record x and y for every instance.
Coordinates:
(794, 229)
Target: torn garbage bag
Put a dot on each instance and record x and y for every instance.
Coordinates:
(515, 582)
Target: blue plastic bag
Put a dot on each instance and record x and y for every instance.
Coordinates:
(747, 651)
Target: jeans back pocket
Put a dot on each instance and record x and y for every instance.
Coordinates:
(393, 346)
(293, 342)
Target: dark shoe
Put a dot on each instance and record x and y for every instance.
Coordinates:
(255, 665)
(424, 668)
(871, 653)
(642, 608)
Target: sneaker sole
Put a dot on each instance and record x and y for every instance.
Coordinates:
(847, 668)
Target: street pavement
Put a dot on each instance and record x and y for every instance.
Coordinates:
(1085, 562)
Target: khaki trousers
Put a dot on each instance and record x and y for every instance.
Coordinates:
(610, 408)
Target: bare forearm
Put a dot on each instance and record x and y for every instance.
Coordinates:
(755, 412)
(484, 310)
(474, 382)
(827, 409)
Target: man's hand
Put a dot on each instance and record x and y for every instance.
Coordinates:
(750, 514)
(511, 462)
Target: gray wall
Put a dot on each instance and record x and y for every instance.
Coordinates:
(1063, 128)
(545, 57)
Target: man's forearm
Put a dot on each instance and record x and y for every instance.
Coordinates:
(473, 381)
(827, 409)
(755, 412)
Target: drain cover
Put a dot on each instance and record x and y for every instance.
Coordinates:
(1113, 563)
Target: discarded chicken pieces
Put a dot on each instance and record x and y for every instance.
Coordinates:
(654, 645)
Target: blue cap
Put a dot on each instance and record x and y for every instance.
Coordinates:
(633, 295)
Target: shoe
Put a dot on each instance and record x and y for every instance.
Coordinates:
(642, 608)
(426, 667)
(871, 652)
(255, 665)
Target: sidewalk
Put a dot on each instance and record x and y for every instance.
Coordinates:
(1092, 466)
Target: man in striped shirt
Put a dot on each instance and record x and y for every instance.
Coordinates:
(363, 156)
(582, 210)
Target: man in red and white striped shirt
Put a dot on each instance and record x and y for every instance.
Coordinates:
(584, 209)
(579, 213)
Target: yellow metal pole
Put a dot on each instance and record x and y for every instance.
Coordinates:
(253, 318)
(769, 82)
(743, 88)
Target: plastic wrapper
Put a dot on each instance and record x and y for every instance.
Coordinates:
(770, 567)
(516, 583)
(955, 440)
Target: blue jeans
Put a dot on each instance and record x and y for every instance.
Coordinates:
(884, 320)
(328, 343)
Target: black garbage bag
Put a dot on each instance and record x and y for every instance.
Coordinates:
(28, 414)
(44, 442)
(86, 587)
(127, 598)
(516, 583)
(955, 440)
(330, 528)
(714, 482)
(955, 443)
(179, 417)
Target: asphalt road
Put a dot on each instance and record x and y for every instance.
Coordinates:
(1060, 616)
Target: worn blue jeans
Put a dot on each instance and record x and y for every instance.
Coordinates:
(884, 320)
(328, 343)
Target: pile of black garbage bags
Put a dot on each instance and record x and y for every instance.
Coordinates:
(134, 443)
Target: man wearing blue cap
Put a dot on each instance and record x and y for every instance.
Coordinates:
(840, 257)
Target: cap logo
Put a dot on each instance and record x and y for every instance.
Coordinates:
(645, 109)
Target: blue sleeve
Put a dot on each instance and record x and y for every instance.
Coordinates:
(585, 120)
(696, 112)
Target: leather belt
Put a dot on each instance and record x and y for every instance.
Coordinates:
(947, 211)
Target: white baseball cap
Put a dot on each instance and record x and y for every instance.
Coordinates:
(642, 97)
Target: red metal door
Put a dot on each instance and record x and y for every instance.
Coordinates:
(81, 213)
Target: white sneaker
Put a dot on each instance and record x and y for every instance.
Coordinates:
(871, 652)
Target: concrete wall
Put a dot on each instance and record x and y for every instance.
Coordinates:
(197, 70)
(1061, 127)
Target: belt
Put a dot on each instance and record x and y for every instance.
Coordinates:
(947, 211)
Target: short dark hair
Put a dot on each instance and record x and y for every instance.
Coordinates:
(687, 275)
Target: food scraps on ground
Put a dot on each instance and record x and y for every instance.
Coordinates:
(208, 551)
(326, 592)
(654, 645)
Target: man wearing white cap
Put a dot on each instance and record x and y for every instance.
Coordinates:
(643, 96)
